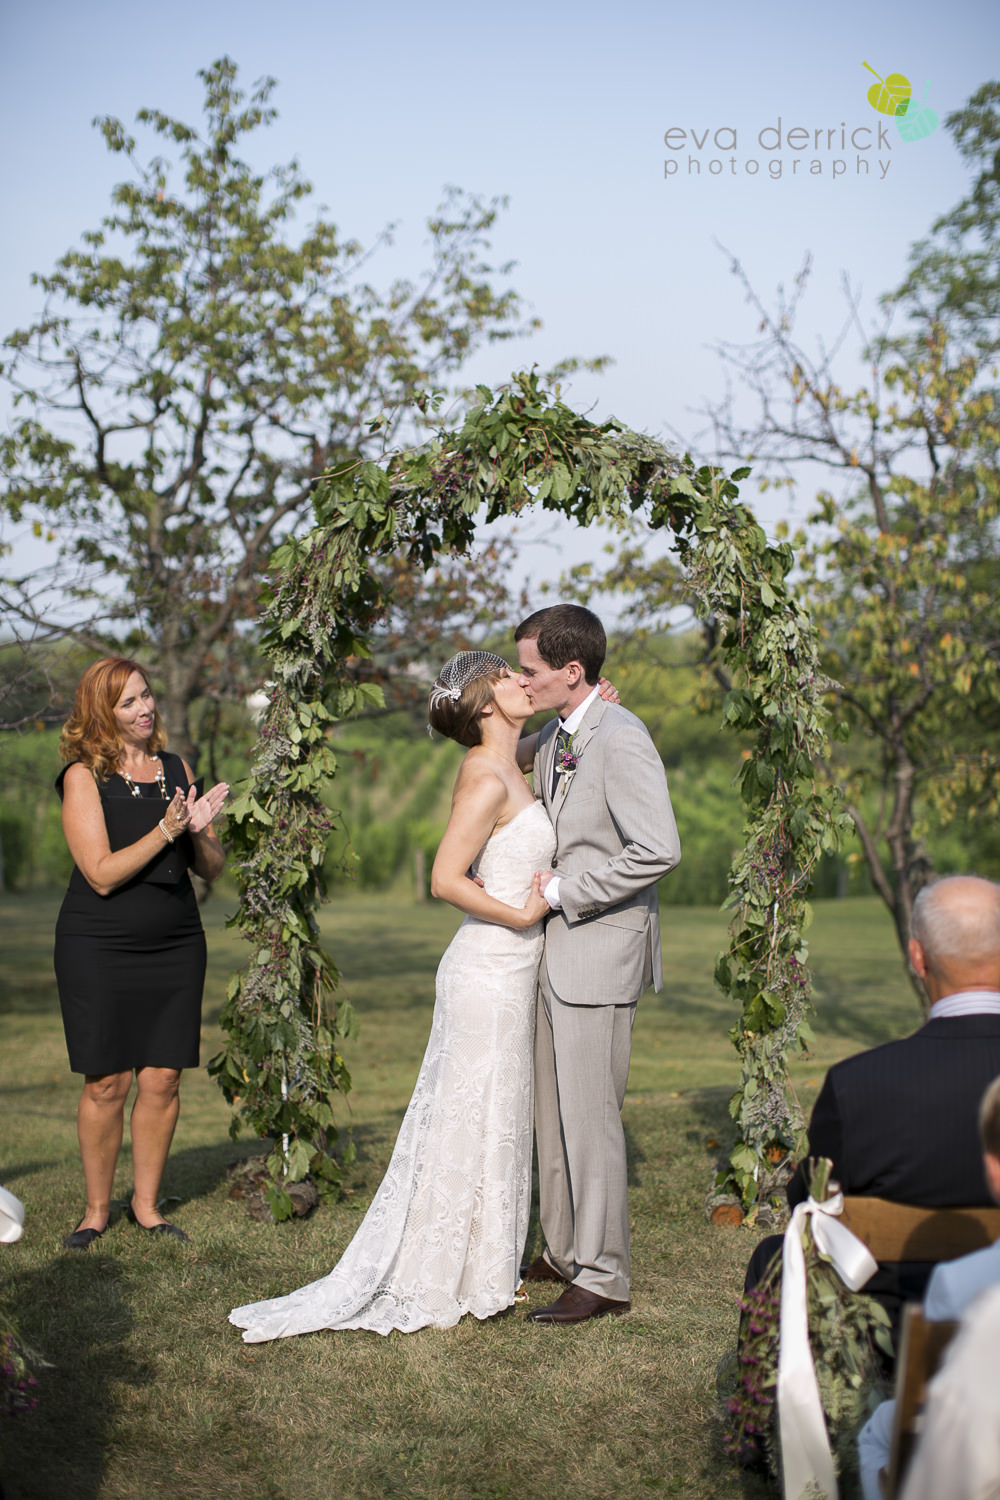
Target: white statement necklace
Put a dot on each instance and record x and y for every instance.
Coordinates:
(161, 781)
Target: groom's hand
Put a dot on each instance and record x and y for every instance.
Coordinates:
(548, 884)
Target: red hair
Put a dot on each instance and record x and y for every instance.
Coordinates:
(91, 733)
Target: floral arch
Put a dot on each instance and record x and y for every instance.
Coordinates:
(518, 447)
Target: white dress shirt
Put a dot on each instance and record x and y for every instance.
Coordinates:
(966, 1003)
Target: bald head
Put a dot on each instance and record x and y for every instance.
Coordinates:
(955, 943)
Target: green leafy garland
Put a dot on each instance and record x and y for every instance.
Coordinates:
(516, 448)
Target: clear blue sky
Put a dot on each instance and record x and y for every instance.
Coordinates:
(563, 108)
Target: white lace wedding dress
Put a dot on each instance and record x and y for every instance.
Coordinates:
(446, 1230)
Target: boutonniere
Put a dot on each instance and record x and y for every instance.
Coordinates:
(567, 761)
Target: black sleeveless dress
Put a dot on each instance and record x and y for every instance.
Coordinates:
(131, 966)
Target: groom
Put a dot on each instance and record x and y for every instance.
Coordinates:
(603, 785)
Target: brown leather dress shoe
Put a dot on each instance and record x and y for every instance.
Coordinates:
(540, 1270)
(577, 1305)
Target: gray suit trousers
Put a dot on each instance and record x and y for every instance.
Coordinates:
(582, 1057)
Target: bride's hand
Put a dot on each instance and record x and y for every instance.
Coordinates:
(536, 907)
(607, 690)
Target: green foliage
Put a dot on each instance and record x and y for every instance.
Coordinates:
(281, 1064)
(846, 1332)
(899, 569)
(393, 794)
(34, 849)
(516, 448)
(37, 676)
(902, 585)
(458, 603)
(954, 275)
(196, 369)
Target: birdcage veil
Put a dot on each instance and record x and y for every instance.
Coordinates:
(463, 668)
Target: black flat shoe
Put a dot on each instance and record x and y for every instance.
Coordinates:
(164, 1228)
(82, 1239)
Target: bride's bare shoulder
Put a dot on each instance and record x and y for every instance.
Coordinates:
(478, 781)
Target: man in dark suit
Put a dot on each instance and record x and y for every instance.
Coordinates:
(899, 1122)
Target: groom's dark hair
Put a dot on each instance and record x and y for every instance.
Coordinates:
(565, 633)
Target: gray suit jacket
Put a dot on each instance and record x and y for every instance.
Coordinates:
(615, 838)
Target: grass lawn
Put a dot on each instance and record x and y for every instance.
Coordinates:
(151, 1392)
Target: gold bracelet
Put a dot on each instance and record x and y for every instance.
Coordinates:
(163, 829)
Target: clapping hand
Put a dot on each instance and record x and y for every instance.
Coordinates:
(195, 815)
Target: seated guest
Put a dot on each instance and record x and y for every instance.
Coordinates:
(958, 1455)
(899, 1121)
(952, 1287)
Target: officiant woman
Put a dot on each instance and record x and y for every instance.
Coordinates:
(130, 949)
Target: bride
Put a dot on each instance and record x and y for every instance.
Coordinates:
(446, 1229)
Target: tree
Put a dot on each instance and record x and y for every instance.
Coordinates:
(41, 653)
(954, 275)
(195, 371)
(462, 601)
(900, 575)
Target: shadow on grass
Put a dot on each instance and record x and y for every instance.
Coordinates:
(17, 1169)
(17, 1090)
(843, 1015)
(29, 997)
(415, 993)
(710, 1106)
(75, 1312)
(753, 1481)
(634, 1157)
(198, 1171)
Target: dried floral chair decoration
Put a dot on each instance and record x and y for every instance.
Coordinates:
(807, 1374)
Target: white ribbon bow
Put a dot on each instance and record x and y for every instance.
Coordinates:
(805, 1445)
(11, 1217)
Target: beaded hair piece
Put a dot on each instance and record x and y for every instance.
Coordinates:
(463, 668)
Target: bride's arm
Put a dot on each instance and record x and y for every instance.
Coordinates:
(480, 799)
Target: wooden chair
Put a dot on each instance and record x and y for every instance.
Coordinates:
(899, 1231)
(921, 1347)
(902, 1232)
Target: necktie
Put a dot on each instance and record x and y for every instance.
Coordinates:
(562, 740)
